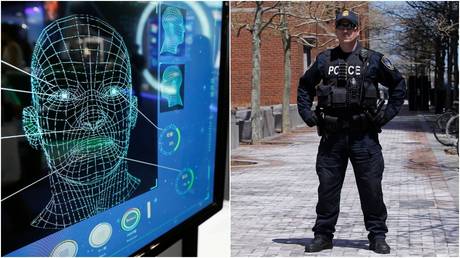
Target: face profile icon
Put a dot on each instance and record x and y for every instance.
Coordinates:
(172, 22)
(171, 83)
(81, 117)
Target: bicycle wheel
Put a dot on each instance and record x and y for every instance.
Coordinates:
(457, 147)
(452, 129)
(439, 128)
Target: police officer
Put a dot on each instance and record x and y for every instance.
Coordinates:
(349, 116)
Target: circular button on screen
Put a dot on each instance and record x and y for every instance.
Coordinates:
(100, 234)
(184, 181)
(67, 248)
(170, 138)
(130, 219)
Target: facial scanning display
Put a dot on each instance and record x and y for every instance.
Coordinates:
(171, 83)
(118, 133)
(81, 116)
(174, 29)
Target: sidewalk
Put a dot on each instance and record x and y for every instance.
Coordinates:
(273, 202)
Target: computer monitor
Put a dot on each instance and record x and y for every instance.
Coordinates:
(114, 133)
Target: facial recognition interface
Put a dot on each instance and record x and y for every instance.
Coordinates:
(115, 138)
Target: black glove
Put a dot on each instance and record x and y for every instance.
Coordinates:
(378, 120)
(310, 118)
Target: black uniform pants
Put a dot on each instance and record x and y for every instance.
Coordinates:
(365, 153)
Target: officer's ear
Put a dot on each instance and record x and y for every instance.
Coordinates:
(30, 126)
(133, 112)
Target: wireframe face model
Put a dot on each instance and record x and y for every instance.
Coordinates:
(81, 116)
(171, 83)
(174, 29)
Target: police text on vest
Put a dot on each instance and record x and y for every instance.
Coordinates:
(350, 69)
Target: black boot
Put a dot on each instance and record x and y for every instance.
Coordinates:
(318, 243)
(379, 246)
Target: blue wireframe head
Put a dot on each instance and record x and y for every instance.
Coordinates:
(82, 107)
(172, 22)
(171, 83)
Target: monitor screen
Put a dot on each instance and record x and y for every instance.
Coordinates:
(109, 123)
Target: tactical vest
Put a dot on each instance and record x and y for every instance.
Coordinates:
(346, 85)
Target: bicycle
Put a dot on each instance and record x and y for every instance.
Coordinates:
(452, 130)
(440, 127)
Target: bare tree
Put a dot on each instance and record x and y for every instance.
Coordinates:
(431, 33)
(256, 26)
(286, 39)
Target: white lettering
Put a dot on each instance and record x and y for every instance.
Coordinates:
(351, 70)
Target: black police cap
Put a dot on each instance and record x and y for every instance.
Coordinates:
(350, 16)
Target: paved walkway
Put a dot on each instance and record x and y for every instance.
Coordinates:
(273, 202)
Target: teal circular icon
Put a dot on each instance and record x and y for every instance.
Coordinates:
(185, 181)
(130, 219)
(170, 138)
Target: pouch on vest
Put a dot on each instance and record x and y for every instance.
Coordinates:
(339, 97)
(331, 124)
(324, 93)
(370, 95)
(354, 94)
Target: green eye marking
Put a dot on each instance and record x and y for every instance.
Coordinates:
(61, 95)
(114, 91)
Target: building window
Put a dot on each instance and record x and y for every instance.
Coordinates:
(307, 52)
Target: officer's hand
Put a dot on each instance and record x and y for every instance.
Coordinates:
(310, 118)
(378, 120)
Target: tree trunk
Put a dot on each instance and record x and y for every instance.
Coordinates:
(454, 47)
(440, 89)
(449, 75)
(256, 124)
(286, 123)
(455, 64)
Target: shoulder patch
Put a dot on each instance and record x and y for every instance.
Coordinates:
(386, 62)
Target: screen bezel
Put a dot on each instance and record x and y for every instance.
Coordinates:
(161, 243)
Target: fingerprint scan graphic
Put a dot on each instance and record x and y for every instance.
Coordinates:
(81, 116)
(172, 22)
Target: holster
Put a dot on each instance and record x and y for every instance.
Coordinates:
(332, 124)
(319, 126)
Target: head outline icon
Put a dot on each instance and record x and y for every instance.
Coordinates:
(172, 21)
(171, 84)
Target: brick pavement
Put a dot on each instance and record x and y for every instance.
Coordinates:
(273, 202)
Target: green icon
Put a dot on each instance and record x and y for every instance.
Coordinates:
(169, 140)
(130, 219)
(184, 181)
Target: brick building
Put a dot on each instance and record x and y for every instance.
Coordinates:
(272, 68)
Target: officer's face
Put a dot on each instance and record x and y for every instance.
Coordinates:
(346, 32)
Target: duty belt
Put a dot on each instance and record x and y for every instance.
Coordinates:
(332, 124)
